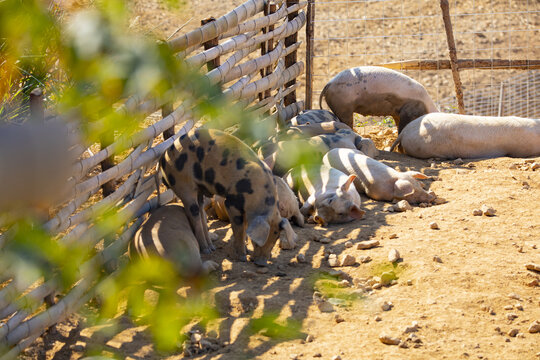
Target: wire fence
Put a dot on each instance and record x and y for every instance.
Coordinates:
(373, 32)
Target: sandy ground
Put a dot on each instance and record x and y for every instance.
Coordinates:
(461, 303)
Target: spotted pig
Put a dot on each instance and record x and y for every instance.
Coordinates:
(210, 162)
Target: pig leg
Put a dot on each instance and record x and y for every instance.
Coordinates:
(238, 225)
(194, 214)
(288, 241)
(345, 116)
(204, 221)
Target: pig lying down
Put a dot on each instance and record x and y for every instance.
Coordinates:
(327, 194)
(210, 162)
(451, 136)
(376, 180)
(377, 91)
(167, 233)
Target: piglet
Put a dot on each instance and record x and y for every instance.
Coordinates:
(327, 194)
(376, 180)
(167, 233)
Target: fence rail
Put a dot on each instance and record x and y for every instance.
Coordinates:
(238, 35)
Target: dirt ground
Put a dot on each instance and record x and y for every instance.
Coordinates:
(460, 282)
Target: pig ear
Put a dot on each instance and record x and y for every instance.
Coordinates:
(319, 220)
(356, 212)
(270, 160)
(345, 187)
(417, 175)
(258, 230)
(403, 188)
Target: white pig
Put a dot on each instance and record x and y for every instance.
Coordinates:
(376, 180)
(327, 194)
(453, 136)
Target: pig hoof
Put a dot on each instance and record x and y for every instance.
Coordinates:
(260, 262)
(210, 266)
(212, 247)
(242, 258)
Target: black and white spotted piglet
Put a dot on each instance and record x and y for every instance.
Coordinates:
(210, 162)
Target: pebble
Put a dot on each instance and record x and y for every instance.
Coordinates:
(488, 210)
(514, 296)
(508, 307)
(301, 258)
(377, 286)
(367, 244)
(458, 161)
(519, 307)
(387, 277)
(533, 267)
(310, 338)
(348, 244)
(439, 201)
(248, 274)
(433, 225)
(324, 240)
(437, 259)
(333, 260)
(388, 340)
(393, 255)
(262, 270)
(325, 307)
(317, 355)
(364, 259)
(402, 205)
(347, 260)
(513, 332)
(293, 356)
(196, 338)
(534, 327)
(533, 283)
(336, 357)
(535, 166)
(378, 318)
(338, 318)
(409, 282)
(477, 212)
(511, 316)
(386, 306)
(344, 283)
(393, 236)
(411, 329)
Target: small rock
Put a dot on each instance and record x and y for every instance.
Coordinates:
(324, 240)
(439, 201)
(488, 210)
(437, 259)
(508, 307)
(293, 356)
(333, 260)
(310, 338)
(347, 260)
(196, 338)
(281, 274)
(262, 270)
(533, 283)
(519, 307)
(388, 340)
(477, 212)
(511, 316)
(325, 307)
(458, 161)
(336, 357)
(403, 345)
(409, 282)
(520, 335)
(533, 267)
(433, 225)
(364, 259)
(535, 166)
(317, 355)
(534, 327)
(376, 286)
(386, 306)
(378, 318)
(411, 329)
(512, 167)
(513, 332)
(367, 244)
(393, 236)
(387, 277)
(248, 274)
(348, 244)
(402, 205)
(344, 283)
(338, 318)
(393, 255)
(301, 258)
(514, 296)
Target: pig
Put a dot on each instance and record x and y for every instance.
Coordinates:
(285, 155)
(327, 194)
(288, 209)
(452, 136)
(211, 162)
(377, 91)
(167, 233)
(344, 138)
(313, 129)
(376, 180)
(315, 116)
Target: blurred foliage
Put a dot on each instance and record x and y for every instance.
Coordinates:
(269, 325)
(329, 287)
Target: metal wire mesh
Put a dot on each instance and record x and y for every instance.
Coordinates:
(371, 32)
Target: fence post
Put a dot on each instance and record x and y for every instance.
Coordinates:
(109, 187)
(453, 54)
(37, 111)
(269, 8)
(290, 59)
(501, 95)
(310, 27)
(212, 64)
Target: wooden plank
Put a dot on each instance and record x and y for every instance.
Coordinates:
(290, 59)
(310, 28)
(479, 64)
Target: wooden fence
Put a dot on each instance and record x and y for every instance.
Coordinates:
(263, 85)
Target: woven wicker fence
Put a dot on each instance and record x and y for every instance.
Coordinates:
(261, 85)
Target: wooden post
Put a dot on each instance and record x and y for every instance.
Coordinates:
(166, 110)
(109, 187)
(37, 111)
(290, 59)
(453, 54)
(212, 64)
(310, 27)
(269, 47)
(501, 95)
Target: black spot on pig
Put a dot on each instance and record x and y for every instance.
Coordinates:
(224, 157)
(180, 161)
(326, 141)
(209, 176)
(240, 163)
(197, 171)
(235, 200)
(270, 200)
(220, 189)
(244, 186)
(171, 180)
(212, 142)
(194, 209)
(200, 153)
(204, 190)
(191, 147)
